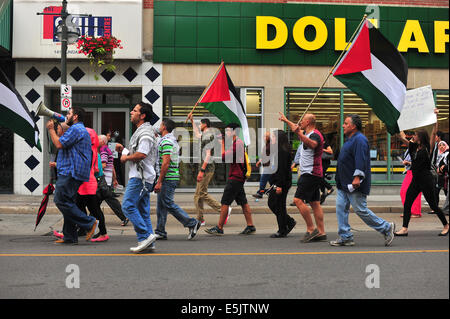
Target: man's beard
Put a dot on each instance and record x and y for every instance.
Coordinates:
(69, 122)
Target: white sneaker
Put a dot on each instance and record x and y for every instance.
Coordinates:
(144, 244)
(203, 223)
(229, 213)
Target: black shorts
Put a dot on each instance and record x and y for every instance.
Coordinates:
(234, 191)
(308, 188)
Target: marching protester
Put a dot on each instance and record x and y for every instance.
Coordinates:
(281, 180)
(416, 208)
(206, 168)
(264, 162)
(422, 181)
(327, 155)
(73, 166)
(234, 189)
(107, 194)
(169, 177)
(142, 157)
(308, 186)
(86, 197)
(353, 181)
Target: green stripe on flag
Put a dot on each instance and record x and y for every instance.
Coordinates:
(18, 125)
(379, 103)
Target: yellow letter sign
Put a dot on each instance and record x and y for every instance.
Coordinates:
(299, 33)
(440, 37)
(412, 27)
(281, 34)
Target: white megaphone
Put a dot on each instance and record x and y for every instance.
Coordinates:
(43, 110)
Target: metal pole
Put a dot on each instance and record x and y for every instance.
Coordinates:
(64, 43)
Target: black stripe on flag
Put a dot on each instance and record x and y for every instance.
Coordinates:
(388, 54)
(233, 90)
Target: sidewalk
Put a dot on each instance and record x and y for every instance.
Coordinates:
(378, 202)
(18, 215)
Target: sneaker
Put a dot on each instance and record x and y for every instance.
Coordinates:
(57, 234)
(341, 242)
(214, 231)
(310, 236)
(92, 231)
(248, 230)
(100, 238)
(125, 222)
(142, 245)
(203, 223)
(389, 237)
(193, 230)
(229, 213)
(258, 195)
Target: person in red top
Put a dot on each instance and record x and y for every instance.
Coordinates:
(234, 189)
(86, 196)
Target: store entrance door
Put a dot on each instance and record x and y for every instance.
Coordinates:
(117, 122)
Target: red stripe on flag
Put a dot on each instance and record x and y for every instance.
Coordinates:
(357, 58)
(218, 91)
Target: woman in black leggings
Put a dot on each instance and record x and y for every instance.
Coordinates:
(422, 180)
(281, 181)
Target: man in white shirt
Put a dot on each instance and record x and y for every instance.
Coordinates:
(142, 157)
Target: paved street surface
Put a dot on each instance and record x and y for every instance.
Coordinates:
(231, 266)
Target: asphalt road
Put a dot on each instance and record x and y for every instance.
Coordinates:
(231, 266)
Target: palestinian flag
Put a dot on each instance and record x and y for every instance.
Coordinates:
(15, 114)
(375, 70)
(220, 98)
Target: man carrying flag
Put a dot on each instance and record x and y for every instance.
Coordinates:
(15, 114)
(375, 70)
(221, 99)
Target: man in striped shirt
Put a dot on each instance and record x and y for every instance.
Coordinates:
(169, 177)
(308, 185)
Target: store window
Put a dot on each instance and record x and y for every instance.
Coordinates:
(178, 102)
(332, 105)
(326, 108)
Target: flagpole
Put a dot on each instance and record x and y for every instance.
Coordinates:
(332, 69)
(204, 91)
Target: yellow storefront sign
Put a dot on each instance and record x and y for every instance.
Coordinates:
(412, 36)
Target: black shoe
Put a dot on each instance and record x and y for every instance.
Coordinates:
(258, 195)
(277, 235)
(325, 194)
(125, 222)
(248, 230)
(291, 226)
(401, 234)
(320, 238)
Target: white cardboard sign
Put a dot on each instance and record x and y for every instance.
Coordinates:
(418, 109)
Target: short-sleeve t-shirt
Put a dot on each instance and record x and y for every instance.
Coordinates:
(169, 147)
(311, 159)
(207, 143)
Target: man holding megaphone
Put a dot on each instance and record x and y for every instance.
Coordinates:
(74, 164)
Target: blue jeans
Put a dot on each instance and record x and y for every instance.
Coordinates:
(359, 204)
(166, 204)
(136, 207)
(66, 189)
(263, 181)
